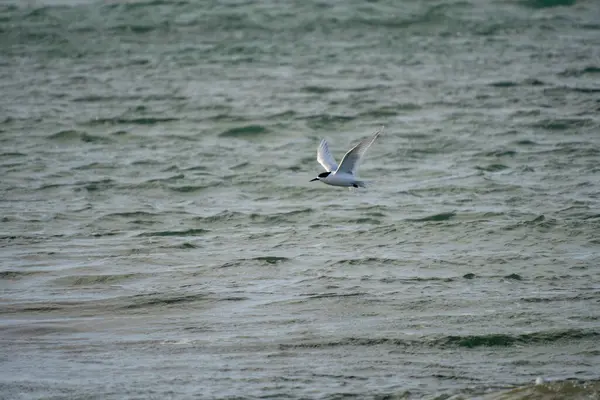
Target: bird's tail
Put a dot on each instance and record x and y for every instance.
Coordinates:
(362, 184)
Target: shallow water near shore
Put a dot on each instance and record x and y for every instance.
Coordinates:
(160, 237)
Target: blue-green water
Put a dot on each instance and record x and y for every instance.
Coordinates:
(159, 236)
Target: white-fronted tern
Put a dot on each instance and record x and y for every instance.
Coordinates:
(344, 174)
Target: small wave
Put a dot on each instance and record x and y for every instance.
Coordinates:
(563, 123)
(546, 390)
(102, 184)
(492, 167)
(372, 221)
(547, 3)
(514, 277)
(193, 188)
(526, 142)
(580, 71)
(351, 341)
(156, 299)
(12, 154)
(509, 84)
(501, 153)
(89, 280)
(14, 275)
(435, 217)
(222, 216)
(271, 260)
(187, 232)
(245, 131)
(131, 214)
(504, 340)
(368, 260)
(73, 135)
(133, 121)
(318, 89)
(504, 84)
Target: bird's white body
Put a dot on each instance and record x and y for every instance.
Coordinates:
(342, 179)
(345, 174)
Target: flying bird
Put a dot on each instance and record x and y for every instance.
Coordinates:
(344, 174)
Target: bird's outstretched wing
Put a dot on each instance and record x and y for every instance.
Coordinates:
(325, 158)
(351, 159)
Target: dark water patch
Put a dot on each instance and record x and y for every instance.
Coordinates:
(492, 167)
(245, 131)
(510, 84)
(504, 84)
(500, 153)
(93, 98)
(586, 90)
(78, 136)
(371, 221)
(351, 341)
(534, 82)
(100, 185)
(368, 260)
(514, 277)
(318, 89)
(565, 299)
(221, 217)
(506, 340)
(185, 245)
(415, 279)
(271, 259)
(435, 217)
(12, 154)
(131, 214)
(264, 260)
(95, 166)
(560, 124)
(470, 275)
(138, 28)
(15, 275)
(328, 295)
(191, 188)
(197, 168)
(159, 299)
(91, 280)
(228, 117)
(240, 166)
(580, 71)
(526, 142)
(133, 6)
(234, 298)
(561, 91)
(130, 121)
(187, 232)
(35, 330)
(548, 3)
(106, 234)
(146, 162)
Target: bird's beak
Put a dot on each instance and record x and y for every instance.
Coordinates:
(316, 179)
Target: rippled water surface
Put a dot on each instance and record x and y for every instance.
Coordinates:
(160, 238)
